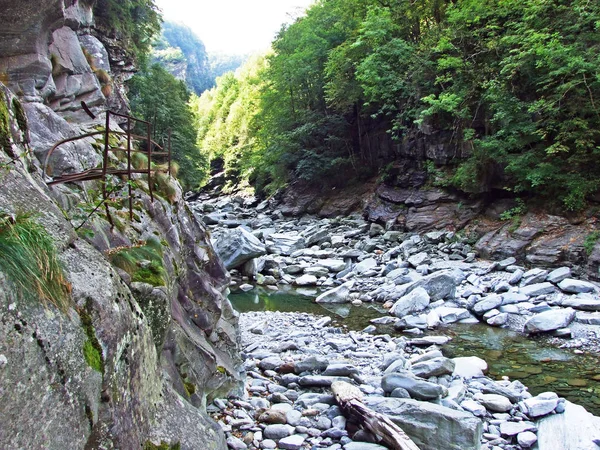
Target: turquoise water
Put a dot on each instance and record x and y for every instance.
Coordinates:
(539, 366)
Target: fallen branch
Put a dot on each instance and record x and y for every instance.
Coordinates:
(350, 400)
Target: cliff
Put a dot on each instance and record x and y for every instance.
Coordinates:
(146, 336)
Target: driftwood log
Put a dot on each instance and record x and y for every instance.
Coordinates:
(349, 398)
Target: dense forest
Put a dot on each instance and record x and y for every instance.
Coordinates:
(509, 88)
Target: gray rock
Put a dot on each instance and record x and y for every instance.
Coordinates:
(363, 446)
(516, 277)
(526, 439)
(439, 285)
(494, 402)
(310, 364)
(284, 243)
(575, 429)
(237, 246)
(365, 265)
(333, 265)
(469, 367)
(514, 428)
(235, 443)
(449, 314)
(433, 367)
(510, 298)
(549, 320)
(271, 363)
(557, 275)
(341, 370)
(533, 276)
(571, 286)
(306, 280)
(540, 405)
(488, 303)
(340, 294)
(498, 320)
(294, 442)
(474, 407)
(419, 259)
(430, 426)
(584, 302)
(534, 290)
(278, 431)
(417, 388)
(415, 301)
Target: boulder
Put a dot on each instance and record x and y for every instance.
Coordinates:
(416, 387)
(571, 286)
(488, 303)
(494, 402)
(415, 301)
(431, 426)
(469, 367)
(557, 275)
(582, 302)
(363, 266)
(534, 290)
(540, 405)
(285, 243)
(333, 265)
(236, 247)
(439, 285)
(575, 429)
(433, 367)
(549, 320)
(306, 280)
(340, 294)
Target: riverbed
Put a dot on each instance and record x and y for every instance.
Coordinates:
(538, 365)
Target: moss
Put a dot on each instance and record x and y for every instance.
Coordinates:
(5, 136)
(190, 388)
(144, 262)
(20, 116)
(590, 242)
(29, 259)
(92, 350)
(162, 446)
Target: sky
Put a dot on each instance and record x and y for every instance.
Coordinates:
(233, 26)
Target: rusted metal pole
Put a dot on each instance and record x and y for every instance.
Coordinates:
(105, 168)
(129, 167)
(149, 146)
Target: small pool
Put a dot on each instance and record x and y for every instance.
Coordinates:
(539, 366)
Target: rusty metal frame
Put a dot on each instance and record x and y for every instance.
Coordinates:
(101, 173)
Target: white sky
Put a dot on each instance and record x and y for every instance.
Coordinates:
(233, 26)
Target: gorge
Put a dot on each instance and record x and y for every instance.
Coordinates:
(117, 329)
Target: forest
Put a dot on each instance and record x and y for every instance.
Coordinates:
(510, 88)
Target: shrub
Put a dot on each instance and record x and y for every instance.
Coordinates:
(590, 241)
(144, 262)
(29, 260)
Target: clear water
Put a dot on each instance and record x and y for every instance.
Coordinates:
(540, 367)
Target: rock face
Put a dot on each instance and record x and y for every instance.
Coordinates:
(575, 429)
(431, 426)
(163, 346)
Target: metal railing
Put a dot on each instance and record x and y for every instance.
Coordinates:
(101, 173)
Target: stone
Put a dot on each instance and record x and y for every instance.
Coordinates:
(575, 429)
(294, 442)
(285, 243)
(333, 265)
(341, 370)
(237, 246)
(365, 265)
(469, 367)
(540, 405)
(549, 320)
(273, 416)
(449, 314)
(498, 320)
(494, 402)
(306, 280)
(509, 298)
(415, 301)
(583, 302)
(340, 294)
(311, 364)
(363, 446)
(557, 275)
(270, 363)
(487, 303)
(235, 443)
(419, 259)
(474, 407)
(534, 290)
(433, 367)
(439, 285)
(417, 388)
(514, 428)
(277, 432)
(431, 426)
(534, 276)
(571, 286)
(526, 439)
(430, 340)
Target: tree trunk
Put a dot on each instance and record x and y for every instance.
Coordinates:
(350, 400)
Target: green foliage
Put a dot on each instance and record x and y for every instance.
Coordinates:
(5, 136)
(136, 22)
(29, 260)
(92, 350)
(92, 357)
(162, 446)
(590, 241)
(516, 211)
(144, 262)
(156, 96)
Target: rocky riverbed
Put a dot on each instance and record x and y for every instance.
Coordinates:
(425, 282)
(292, 358)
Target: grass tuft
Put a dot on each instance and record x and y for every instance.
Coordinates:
(29, 260)
(144, 262)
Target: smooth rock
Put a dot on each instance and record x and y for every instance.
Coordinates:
(340, 294)
(494, 402)
(277, 432)
(534, 290)
(417, 300)
(417, 388)
(469, 367)
(237, 246)
(549, 320)
(571, 286)
(433, 367)
(294, 442)
(575, 429)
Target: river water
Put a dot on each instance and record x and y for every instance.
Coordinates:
(539, 366)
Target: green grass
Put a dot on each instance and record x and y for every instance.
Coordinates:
(93, 357)
(29, 260)
(92, 350)
(590, 241)
(144, 262)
